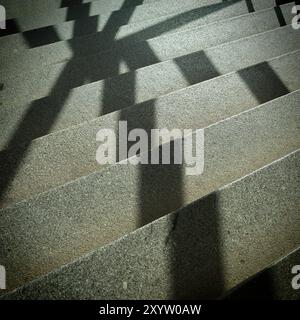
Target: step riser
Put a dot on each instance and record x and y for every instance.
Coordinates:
(245, 25)
(108, 22)
(135, 31)
(142, 54)
(198, 252)
(74, 150)
(100, 9)
(149, 82)
(54, 7)
(261, 286)
(208, 67)
(85, 214)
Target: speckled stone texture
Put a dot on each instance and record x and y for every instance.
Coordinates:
(186, 17)
(165, 46)
(53, 7)
(84, 214)
(151, 81)
(73, 151)
(273, 283)
(200, 251)
(101, 12)
(71, 228)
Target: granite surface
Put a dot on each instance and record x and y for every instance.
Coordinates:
(199, 252)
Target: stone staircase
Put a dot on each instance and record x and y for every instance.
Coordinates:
(73, 229)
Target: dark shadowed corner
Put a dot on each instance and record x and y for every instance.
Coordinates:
(196, 265)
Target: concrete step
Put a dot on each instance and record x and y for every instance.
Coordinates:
(104, 12)
(145, 83)
(110, 63)
(225, 29)
(73, 150)
(114, 30)
(109, 22)
(273, 283)
(59, 226)
(17, 9)
(61, 51)
(198, 252)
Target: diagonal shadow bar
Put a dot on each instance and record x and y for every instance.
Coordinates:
(152, 198)
(59, 96)
(147, 214)
(10, 168)
(264, 76)
(47, 35)
(102, 40)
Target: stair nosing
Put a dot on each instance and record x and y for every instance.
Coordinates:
(111, 167)
(132, 233)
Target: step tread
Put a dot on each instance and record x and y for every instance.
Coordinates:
(146, 53)
(35, 8)
(147, 257)
(84, 214)
(151, 81)
(73, 149)
(261, 285)
(58, 52)
(60, 207)
(138, 30)
(84, 13)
